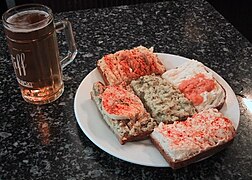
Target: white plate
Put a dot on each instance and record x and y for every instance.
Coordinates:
(141, 152)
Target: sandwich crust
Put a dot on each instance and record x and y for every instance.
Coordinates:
(179, 164)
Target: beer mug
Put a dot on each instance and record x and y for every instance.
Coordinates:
(31, 38)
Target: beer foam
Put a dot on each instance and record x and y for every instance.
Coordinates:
(27, 21)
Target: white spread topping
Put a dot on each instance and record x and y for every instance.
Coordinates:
(186, 71)
(204, 130)
(189, 70)
(212, 99)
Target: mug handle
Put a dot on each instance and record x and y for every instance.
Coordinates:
(72, 50)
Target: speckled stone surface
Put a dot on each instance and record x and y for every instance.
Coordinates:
(45, 142)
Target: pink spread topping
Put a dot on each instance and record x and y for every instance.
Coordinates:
(121, 104)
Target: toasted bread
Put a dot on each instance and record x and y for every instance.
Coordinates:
(130, 127)
(200, 136)
(126, 65)
(198, 85)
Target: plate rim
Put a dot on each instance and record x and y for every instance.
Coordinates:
(77, 94)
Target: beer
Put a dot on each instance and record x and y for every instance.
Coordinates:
(34, 53)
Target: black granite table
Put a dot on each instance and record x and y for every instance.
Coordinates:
(45, 142)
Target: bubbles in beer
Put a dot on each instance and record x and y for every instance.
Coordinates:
(27, 21)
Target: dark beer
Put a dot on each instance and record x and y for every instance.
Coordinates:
(34, 53)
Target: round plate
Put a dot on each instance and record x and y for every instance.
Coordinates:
(140, 152)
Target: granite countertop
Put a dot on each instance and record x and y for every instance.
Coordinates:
(45, 142)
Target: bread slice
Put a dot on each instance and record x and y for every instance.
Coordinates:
(126, 65)
(162, 100)
(185, 142)
(131, 126)
(198, 85)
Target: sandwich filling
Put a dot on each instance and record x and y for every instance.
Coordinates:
(184, 139)
(126, 65)
(125, 129)
(118, 103)
(197, 84)
(162, 99)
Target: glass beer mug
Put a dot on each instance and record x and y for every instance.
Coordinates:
(31, 38)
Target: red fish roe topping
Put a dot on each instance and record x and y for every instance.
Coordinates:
(192, 88)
